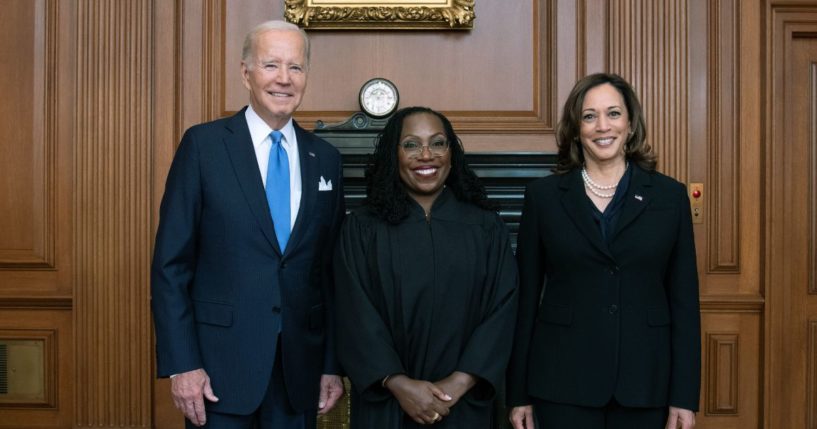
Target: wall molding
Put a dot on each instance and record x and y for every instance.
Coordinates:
(722, 388)
(44, 197)
(724, 134)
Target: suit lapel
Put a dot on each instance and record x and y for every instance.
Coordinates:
(309, 185)
(574, 201)
(242, 156)
(637, 199)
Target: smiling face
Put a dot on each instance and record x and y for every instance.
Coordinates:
(425, 174)
(605, 125)
(275, 75)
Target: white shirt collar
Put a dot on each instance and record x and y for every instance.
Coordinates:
(259, 130)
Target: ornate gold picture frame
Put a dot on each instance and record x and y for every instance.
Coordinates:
(381, 14)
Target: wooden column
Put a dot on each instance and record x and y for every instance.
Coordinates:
(112, 202)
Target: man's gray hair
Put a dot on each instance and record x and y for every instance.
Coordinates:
(249, 40)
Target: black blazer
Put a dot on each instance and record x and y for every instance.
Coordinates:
(619, 321)
(222, 290)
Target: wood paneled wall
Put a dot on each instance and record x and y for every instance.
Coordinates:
(97, 93)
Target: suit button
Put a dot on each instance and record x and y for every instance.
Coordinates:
(276, 310)
(283, 265)
(613, 309)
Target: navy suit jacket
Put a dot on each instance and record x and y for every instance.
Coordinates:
(614, 321)
(221, 288)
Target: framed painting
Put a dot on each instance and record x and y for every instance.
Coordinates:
(381, 14)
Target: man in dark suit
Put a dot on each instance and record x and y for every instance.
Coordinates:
(241, 278)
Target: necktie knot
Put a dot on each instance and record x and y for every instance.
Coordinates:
(276, 137)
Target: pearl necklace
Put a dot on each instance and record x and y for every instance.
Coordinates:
(597, 189)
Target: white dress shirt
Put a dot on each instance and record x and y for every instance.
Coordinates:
(261, 141)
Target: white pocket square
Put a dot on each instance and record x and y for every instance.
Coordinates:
(324, 185)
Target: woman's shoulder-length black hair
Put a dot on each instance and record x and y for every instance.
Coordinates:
(386, 195)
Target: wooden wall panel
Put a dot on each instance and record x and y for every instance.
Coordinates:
(54, 326)
(724, 127)
(731, 369)
(811, 376)
(648, 47)
(27, 195)
(113, 208)
(790, 147)
(495, 79)
(35, 198)
(722, 382)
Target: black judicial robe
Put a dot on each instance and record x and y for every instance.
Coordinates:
(425, 298)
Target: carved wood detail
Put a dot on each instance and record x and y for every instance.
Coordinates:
(112, 235)
(723, 196)
(732, 304)
(811, 374)
(812, 188)
(722, 373)
(648, 47)
(31, 160)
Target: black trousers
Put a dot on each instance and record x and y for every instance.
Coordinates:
(552, 415)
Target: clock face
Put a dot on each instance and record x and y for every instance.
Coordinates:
(379, 97)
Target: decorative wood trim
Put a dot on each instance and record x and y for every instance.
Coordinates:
(112, 203)
(581, 38)
(44, 197)
(812, 187)
(722, 373)
(540, 120)
(49, 339)
(732, 304)
(213, 66)
(811, 376)
(648, 46)
(37, 303)
(178, 120)
(723, 198)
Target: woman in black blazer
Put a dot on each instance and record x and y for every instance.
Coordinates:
(608, 329)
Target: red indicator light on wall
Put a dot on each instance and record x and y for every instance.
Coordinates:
(696, 193)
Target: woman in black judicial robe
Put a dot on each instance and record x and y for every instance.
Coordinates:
(426, 285)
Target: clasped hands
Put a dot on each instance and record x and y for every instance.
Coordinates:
(426, 402)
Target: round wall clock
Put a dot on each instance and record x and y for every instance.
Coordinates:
(379, 97)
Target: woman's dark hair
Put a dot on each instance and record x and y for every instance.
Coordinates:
(386, 194)
(571, 155)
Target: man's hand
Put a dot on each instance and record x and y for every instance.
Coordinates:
(680, 418)
(522, 417)
(188, 390)
(331, 391)
(421, 400)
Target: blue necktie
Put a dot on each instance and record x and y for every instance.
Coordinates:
(278, 188)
